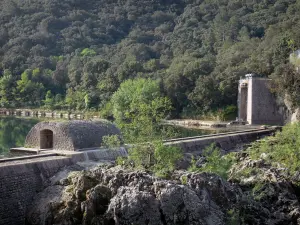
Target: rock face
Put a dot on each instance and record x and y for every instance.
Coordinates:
(114, 196)
(292, 114)
(256, 193)
(271, 192)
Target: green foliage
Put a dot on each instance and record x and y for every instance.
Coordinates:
(13, 132)
(261, 190)
(88, 52)
(28, 91)
(246, 173)
(7, 89)
(215, 162)
(122, 161)
(235, 217)
(156, 156)
(284, 148)
(229, 113)
(138, 107)
(141, 156)
(193, 167)
(184, 180)
(111, 141)
(49, 100)
(166, 158)
(75, 99)
(197, 49)
(287, 83)
(106, 111)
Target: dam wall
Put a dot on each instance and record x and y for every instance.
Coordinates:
(226, 141)
(21, 180)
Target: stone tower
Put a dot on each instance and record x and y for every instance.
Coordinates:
(256, 103)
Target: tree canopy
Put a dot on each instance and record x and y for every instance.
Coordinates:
(82, 51)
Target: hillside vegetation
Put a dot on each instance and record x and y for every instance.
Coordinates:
(74, 54)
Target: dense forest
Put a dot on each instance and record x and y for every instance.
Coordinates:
(74, 54)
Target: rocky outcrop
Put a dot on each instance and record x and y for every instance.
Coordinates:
(291, 113)
(257, 193)
(115, 196)
(271, 189)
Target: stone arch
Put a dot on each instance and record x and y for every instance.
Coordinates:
(46, 139)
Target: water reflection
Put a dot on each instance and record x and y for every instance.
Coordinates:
(13, 132)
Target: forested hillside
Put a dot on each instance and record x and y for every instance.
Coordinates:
(74, 54)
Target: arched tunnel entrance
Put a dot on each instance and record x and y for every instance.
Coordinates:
(46, 139)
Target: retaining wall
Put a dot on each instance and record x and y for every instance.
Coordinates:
(20, 180)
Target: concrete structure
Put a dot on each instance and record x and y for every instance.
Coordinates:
(69, 135)
(22, 179)
(256, 103)
(226, 141)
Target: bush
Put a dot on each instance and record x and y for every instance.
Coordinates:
(166, 158)
(111, 141)
(215, 162)
(141, 156)
(284, 148)
(157, 157)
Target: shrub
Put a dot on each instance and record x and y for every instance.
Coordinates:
(215, 162)
(166, 158)
(284, 148)
(111, 141)
(141, 155)
(184, 180)
(157, 157)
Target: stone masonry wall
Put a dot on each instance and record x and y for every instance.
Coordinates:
(72, 135)
(262, 106)
(20, 182)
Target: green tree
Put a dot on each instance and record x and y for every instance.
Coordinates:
(49, 100)
(29, 92)
(75, 99)
(7, 86)
(88, 52)
(138, 106)
(215, 162)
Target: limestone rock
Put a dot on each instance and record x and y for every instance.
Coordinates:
(109, 196)
(271, 189)
(131, 206)
(114, 196)
(82, 183)
(96, 204)
(181, 205)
